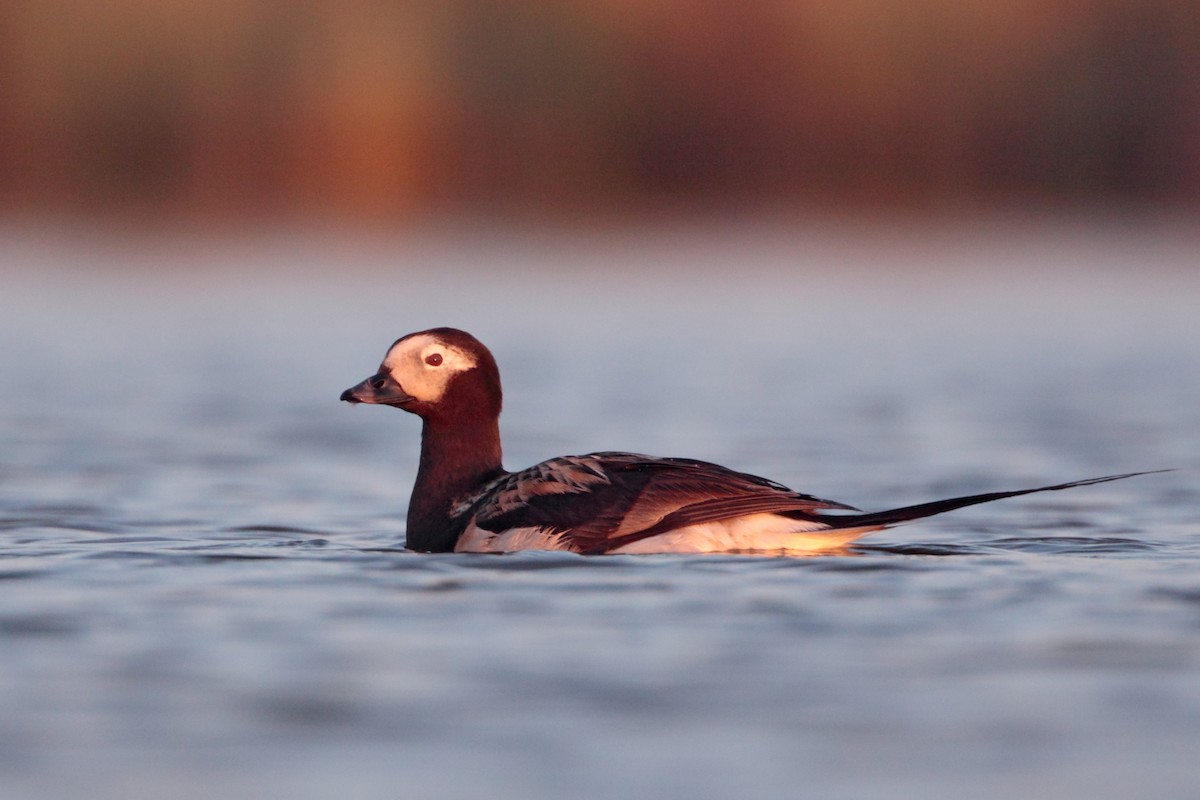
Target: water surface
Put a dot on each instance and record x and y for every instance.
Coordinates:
(203, 591)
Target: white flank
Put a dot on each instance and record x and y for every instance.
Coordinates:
(756, 533)
(478, 540)
(752, 533)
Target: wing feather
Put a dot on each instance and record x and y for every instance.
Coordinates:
(605, 500)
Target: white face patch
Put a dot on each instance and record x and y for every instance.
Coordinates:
(423, 366)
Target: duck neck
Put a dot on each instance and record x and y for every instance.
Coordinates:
(455, 460)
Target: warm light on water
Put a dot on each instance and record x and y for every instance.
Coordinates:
(202, 591)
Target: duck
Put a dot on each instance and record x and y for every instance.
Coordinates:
(463, 500)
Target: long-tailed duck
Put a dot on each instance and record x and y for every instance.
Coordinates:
(608, 502)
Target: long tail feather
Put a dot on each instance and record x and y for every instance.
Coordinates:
(895, 516)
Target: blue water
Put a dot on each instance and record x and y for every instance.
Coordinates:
(203, 591)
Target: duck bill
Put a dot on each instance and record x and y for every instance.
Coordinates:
(379, 389)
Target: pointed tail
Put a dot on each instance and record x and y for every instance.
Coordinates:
(883, 519)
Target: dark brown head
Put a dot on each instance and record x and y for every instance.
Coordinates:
(442, 375)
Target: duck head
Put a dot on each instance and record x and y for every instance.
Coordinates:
(441, 375)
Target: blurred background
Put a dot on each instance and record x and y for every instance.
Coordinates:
(398, 110)
(879, 250)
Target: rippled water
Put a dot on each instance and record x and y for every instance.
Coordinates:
(203, 591)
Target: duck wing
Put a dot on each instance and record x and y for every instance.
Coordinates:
(598, 502)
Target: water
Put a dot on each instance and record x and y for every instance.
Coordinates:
(203, 593)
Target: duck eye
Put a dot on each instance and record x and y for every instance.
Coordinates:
(434, 359)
